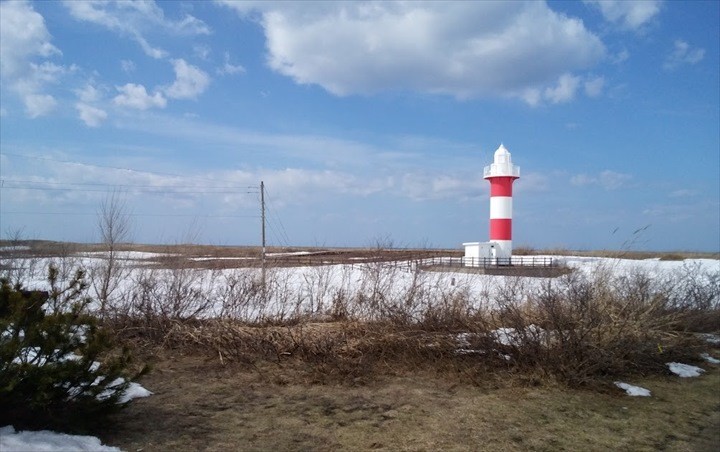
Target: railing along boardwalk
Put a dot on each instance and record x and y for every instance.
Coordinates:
(405, 262)
(485, 262)
(415, 263)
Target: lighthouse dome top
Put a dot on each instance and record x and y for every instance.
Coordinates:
(502, 165)
(502, 152)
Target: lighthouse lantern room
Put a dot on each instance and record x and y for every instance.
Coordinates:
(501, 174)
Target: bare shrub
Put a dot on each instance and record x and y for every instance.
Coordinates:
(113, 224)
(17, 265)
(160, 298)
(694, 295)
(242, 295)
(579, 328)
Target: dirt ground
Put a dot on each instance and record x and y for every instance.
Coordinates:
(199, 404)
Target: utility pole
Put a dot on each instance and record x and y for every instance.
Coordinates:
(262, 207)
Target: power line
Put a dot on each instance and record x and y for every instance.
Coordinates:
(278, 220)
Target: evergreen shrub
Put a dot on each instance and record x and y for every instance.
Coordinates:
(58, 367)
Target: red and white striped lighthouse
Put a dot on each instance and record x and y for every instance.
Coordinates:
(501, 174)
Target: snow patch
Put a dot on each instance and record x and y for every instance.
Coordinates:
(710, 359)
(711, 338)
(684, 370)
(631, 390)
(15, 248)
(202, 259)
(134, 391)
(510, 336)
(47, 441)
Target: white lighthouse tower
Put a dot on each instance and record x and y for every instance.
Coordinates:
(501, 174)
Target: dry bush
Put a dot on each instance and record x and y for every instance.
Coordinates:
(16, 266)
(159, 299)
(581, 328)
(577, 328)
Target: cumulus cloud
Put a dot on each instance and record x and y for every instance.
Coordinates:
(23, 39)
(564, 91)
(31, 86)
(22, 35)
(91, 116)
(89, 93)
(38, 104)
(190, 81)
(463, 49)
(134, 20)
(136, 96)
(627, 14)
(682, 54)
(609, 180)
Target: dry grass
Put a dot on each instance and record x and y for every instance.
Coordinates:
(202, 405)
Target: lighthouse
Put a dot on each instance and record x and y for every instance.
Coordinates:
(501, 174)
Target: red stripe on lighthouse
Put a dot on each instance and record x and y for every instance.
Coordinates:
(500, 229)
(501, 186)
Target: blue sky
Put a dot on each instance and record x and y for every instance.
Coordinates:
(367, 121)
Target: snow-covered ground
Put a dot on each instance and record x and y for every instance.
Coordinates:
(312, 290)
(632, 390)
(47, 441)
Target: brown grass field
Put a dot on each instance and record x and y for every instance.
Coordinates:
(200, 404)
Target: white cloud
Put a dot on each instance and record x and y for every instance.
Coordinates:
(681, 54)
(91, 116)
(134, 20)
(23, 35)
(565, 89)
(229, 68)
(38, 104)
(30, 87)
(628, 14)
(23, 39)
(135, 96)
(88, 93)
(190, 81)
(463, 49)
(609, 180)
